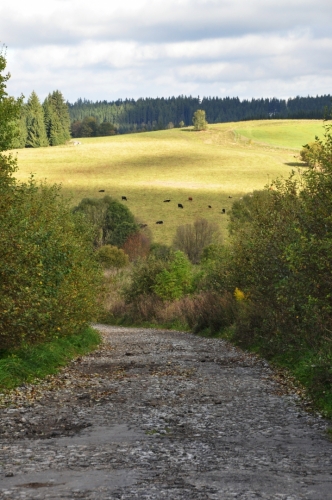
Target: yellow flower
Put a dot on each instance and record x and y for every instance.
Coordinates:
(238, 294)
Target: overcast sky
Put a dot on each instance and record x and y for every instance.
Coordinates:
(106, 49)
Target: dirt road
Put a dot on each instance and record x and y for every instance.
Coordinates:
(162, 415)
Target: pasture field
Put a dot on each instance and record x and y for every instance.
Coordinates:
(214, 167)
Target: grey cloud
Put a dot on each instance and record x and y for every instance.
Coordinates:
(168, 48)
(171, 21)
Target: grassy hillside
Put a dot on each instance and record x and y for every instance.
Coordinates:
(211, 166)
(282, 133)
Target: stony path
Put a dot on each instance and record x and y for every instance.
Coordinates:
(162, 415)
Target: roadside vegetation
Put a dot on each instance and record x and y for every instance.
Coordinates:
(50, 279)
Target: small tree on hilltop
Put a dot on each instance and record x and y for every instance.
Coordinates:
(199, 120)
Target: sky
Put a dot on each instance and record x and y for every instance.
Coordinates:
(107, 49)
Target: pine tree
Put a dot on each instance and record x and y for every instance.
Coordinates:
(36, 132)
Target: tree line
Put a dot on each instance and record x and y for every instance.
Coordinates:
(55, 121)
(40, 125)
(146, 114)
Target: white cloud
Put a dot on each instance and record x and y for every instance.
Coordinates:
(106, 50)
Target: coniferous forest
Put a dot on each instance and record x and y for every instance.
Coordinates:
(131, 115)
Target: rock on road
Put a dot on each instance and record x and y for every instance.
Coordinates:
(162, 415)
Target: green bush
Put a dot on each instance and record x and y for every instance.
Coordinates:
(112, 221)
(49, 277)
(167, 280)
(311, 152)
(143, 278)
(175, 280)
(110, 256)
(161, 252)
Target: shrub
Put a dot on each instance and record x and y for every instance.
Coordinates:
(209, 310)
(176, 280)
(192, 238)
(166, 280)
(137, 245)
(111, 256)
(143, 278)
(161, 252)
(113, 222)
(310, 153)
(49, 278)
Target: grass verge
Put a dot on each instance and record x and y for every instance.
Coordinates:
(25, 365)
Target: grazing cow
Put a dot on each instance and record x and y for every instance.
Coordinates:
(167, 201)
(190, 198)
(209, 206)
(223, 211)
(124, 198)
(101, 191)
(142, 225)
(230, 197)
(160, 222)
(180, 205)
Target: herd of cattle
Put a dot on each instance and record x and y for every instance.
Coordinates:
(180, 205)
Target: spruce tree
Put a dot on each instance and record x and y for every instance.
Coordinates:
(57, 119)
(36, 132)
(20, 140)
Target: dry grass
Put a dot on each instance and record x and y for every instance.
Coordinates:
(210, 166)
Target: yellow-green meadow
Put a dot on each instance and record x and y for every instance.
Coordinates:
(213, 167)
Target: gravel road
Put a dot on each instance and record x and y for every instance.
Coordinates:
(162, 415)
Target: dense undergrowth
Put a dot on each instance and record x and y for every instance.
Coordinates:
(49, 275)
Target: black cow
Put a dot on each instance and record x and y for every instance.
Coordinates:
(160, 222)
(230, 197)
(180, 205)
(124, 198)
(101, 191)
(209, 206)
(223, 211)
(167, 201)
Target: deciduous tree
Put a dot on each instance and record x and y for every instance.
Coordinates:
(199, 120)
(192, 238)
